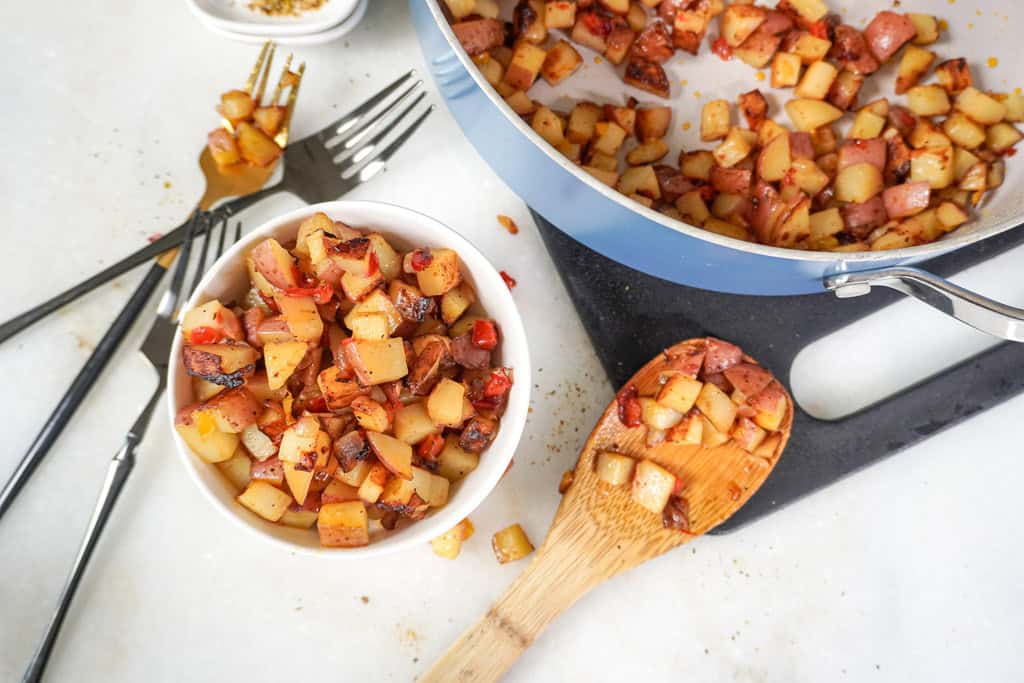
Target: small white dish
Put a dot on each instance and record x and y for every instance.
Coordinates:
(334, 33)
(228, 279)
(236, 17)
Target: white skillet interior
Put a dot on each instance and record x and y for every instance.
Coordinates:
(976, 31)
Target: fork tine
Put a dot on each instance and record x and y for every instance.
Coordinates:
(170, 298)
(280, 81)
(282, 135)
(201, 265)
(258, 97)
(238, 232)
(251, 81)
(357, 154)
(342, 125)
(223, 235)
(371, 125)
(374, 164)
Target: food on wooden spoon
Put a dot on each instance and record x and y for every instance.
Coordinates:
(685, 444)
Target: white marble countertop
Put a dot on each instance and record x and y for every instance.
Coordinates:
(908, 571)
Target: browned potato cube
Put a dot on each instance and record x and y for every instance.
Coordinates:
(441, 275)
(561, 61)
(648, 153)
(927, 28)
(549, 126)
(559, 14)
(715, 120)
(609, 137)
(236, 105)
(640, 180)
(785, 70)
(269, 119)
(255, 146)
(913, 65)
(653, 122)
(527, 61)
(817, 81)
(954, 75)
(739, 22)
(343, 525)
(511, 544)
(980, 107)
(582, 122)
(222, 147)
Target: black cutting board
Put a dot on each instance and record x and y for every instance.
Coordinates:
(631, 316)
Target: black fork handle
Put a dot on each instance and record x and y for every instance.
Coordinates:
(130, 262)
(80, 387)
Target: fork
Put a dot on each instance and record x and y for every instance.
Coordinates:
(243, 180)
(318, 168)
(156, 348)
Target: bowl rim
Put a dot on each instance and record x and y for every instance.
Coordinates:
(514, 344)
(841, 261)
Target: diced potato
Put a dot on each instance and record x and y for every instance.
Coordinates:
(736, 146)
(739, 22)
(715, 120)
(913, 66)
(609, 178)
(711, 436)
(974, 178)
(223, 147)
(609, 137)
(927, 28)
(811, 10)
(614, 469)
(369, 326)
(378, 302)
(521, 103)
(461, 9)
(996, 174)
(697, 165)
(1001, 137)
(266, 500)
(527, 61)
(377, 362)
(928, 100)
(679, 393)
(207, 441)
(640, 180)
(444, 405)
(657, 415)
(807, 177)
(816, 81)
(582, 122)
(373, 483)
(281, 360)
(807, 115)
(561, 61)
(954, 75)
(448, 544)
(867, 124)
(725, 228)
(302, 317)
(275, 264)
(236, 105)
(454, 463)
(689, 430)
(559, 14)
(343, 525)
(204, 390)
(950, 215)
(490, 68)
(716, 405)
(748, 434)
(338, 391)
(652, 486)
(980, 107)
(394, 454)
(625, 117)
(933, 165)
(299, 518)
(785, 70)
(511, 544)
(255, 146)
(810, 48)
(858, 183)
(647, 153)
(236, 469)
(775, 160)
(455, 302)
(1014, 106)
(441, 275)
(413, 423)
(652, 122)
(963, 131)
(370, 415)
(357, 475)
(692, 208)
(826, 224)
(927, 135)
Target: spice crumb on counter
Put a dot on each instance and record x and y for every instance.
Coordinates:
(508, 224)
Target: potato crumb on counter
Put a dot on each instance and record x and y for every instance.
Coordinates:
(508, 224)
(449, 544)
(511, 544)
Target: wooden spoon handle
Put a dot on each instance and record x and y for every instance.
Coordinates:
(558, 576)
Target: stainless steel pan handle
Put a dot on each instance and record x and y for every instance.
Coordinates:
(981, 313)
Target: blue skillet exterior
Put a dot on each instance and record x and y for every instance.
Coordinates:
(607, 226)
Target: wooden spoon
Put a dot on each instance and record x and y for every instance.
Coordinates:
(599, 531)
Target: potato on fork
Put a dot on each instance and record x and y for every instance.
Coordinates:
(240, 154)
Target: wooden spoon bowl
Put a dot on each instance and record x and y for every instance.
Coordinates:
(599, 531)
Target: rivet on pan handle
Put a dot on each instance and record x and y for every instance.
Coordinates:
(981, 313)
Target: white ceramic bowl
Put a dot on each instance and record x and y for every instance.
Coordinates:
(406, 229)
(294, 40)
(236, 17)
